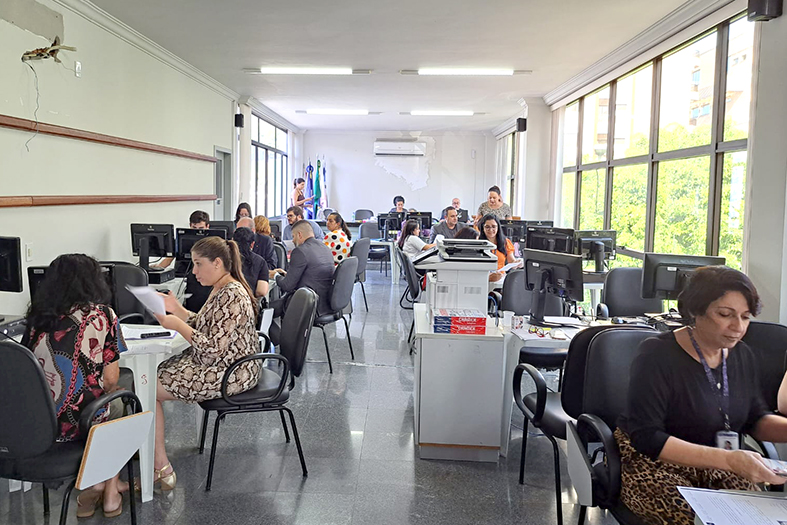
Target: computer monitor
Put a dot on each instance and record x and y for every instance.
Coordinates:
(550, 239)
(596, 245)
(665, 275)
(552, 273)
(186, 238)
(390, 222)
(36, 275)
(546, 224)
(10, 264)
(152, 240)
(514, 230)
(424, 219)
(227, 226)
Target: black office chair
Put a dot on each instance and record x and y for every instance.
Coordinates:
(273, 389)
(341, 294)
(550, 411)
(281, 255)
(622, 295)
(413, 291)
(28, 450)
(362, 215)
(127, 307)
(361, 250)
(369, 230)
(275, 231)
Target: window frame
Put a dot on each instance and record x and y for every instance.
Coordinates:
(277, 184)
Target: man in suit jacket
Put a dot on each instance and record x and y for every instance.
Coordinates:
(263, 244)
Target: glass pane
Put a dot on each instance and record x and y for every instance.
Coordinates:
(570, 128)
(255, 128)
(259, 171)
(591, 207)
(595, 124)
(632, 114)
(629, 205)
(739, 75)
(682, 206)
(267, 134)
(270, 175)
(283, 185)
(567, 198)
(733, 191)
(281, 139)
(624, 261)
(687, 95)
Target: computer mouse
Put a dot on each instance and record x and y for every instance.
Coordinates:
(618, 320)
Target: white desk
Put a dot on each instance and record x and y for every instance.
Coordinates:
(391, 255)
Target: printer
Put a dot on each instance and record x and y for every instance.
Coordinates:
(469, 250)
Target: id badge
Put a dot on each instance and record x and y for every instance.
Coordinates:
(727, 440)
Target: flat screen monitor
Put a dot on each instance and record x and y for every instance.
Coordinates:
(550, 239)
(152, 240)
(424, 219)
(596, 245)
(227, 226)
(37, 274)
(552, 273)
(540, 224)
(514, 230)
(664, 275)
(389, 223)
(186, 238)
(10, 264)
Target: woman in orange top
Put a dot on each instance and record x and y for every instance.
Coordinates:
(504, 249)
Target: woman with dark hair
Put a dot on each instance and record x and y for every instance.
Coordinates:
(504, 249)
(692, 393)
(244, 210)
(255, 269)
(298, 198)
(494, 205)
(74, 336)
(410, 241)
(398, 203)
(467, 233)
(222, 332)
(338, 237)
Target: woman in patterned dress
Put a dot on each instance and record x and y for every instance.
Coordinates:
(338, 238)
(74, 336)
(494, 205)
(221, 333)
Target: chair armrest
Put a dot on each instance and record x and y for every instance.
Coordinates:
(123, 318)
(89, 412)
(268, 343)
(593, 428)
(541, 392)
(260, 357)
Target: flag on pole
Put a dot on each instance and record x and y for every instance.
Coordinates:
(317, 189)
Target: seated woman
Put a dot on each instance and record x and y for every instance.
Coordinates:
(410, 242)
(504, 249)
(74, 335)
(221, 333)
(693, 392)
(255, 269)
(338, 238)
(244, 210)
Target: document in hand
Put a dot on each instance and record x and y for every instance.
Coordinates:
(149, 298)
(510, 266)
(717, 507)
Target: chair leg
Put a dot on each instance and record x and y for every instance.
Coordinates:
(558, 494)
(204, 431)
(219, 419)
(524, 451)
(582, 510)
(349, 339)
(297, 441)
(284, 426)
(46, 499)
(66, 497)
(327, 352)
(132, 504)
(363, 291)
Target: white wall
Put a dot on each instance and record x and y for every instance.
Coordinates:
(124, 92)
(356, 182)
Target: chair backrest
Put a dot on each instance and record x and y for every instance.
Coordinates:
(768, 341)
(343, 283)
(361, 250)
(296, 328)
(25, 404)
(622, 294)
(362, 214)
(281, 255)
(275, 230)
(609, 359)
(517, 299)
(126, 273)
(410, 275)
(369, 230)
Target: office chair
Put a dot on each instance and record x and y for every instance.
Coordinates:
(275, 231)
(273, 389)
(362, 215)
(413, 291)
(281, 255)
(622, 295)
(369, 230)
(361, 250)
(341, 294)
(128, 308)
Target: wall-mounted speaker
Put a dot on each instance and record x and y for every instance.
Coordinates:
(521, 124)
(239, 120)
(764, 10)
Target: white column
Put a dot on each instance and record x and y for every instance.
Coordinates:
(246, 178)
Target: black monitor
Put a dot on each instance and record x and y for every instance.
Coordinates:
(390, 222)
(36, 275)
(227, 226)
(187, 237)
(664, 275)
(10, 264)
(539, 224)
(515, 230)
(553, 273)
(595, 245)
(550, 239)
(424, 219)
(156, 240)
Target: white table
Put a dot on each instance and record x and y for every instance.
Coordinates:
(391, 255)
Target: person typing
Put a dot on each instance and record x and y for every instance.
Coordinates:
(448, 228)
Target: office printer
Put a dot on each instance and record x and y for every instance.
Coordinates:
(466, 250)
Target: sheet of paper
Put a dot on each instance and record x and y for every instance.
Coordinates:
(735, 508)
(149, 298)
(131, 332)
(566, 321)
(516, 264)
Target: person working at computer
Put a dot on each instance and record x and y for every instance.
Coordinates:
(75, 337)
(244, 210)
(198, 220)
(410, 242)
(691, 391)
(295, 214)
(255, 268)
(455, 204)
(338, 237)
(222, 332)
(494, 205)
(263, 244)
(504, 248)
(298, 198)
(398, 203)
(449, 227)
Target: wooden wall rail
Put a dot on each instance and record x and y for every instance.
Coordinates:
(22, 201)
(22, 124)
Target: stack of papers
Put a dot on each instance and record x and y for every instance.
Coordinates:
(458, 321)
(717, 507)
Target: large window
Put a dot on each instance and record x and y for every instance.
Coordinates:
(667, 170)
(269, 166)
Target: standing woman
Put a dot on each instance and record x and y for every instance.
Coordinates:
(504, 249)
(297, 193)
(338, 237)
(410, 241)
(494, 205)
(244, 210)
(222, 332)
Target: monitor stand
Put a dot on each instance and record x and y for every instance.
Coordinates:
(540, 299)
(598, 256)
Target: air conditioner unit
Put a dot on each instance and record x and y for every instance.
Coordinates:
(393, 148)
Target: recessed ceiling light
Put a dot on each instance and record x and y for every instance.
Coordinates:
(464, 71)
(441, 113)
(301, 71)
(353, 112)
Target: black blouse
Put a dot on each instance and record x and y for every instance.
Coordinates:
(669, 395)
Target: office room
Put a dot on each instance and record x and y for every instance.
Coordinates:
(442, 195)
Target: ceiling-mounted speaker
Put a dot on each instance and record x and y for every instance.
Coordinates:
(764, 10)
(521, 124)
(239, 120)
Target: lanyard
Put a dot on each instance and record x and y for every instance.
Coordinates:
(724, 396)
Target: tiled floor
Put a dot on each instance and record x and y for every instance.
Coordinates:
(356, 427)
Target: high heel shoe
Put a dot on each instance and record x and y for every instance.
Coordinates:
(167, 481)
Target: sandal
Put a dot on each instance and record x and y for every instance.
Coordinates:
(86, 511)
(116, 512)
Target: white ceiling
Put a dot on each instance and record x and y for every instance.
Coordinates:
(555, 38)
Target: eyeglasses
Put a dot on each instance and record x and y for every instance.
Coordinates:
(490, 228)
(537, 330)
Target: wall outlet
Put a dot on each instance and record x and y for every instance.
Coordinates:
(28, 251)
(78, 69)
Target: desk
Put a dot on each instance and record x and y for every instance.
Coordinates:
(391, 255)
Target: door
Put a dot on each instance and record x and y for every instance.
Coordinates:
(222, 207)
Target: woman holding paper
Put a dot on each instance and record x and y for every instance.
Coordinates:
(222, 332)
(504, 249)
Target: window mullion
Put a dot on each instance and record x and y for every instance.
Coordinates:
(611, 105)
(717, 136)
(650, 199)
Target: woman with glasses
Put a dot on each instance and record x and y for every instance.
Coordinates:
(504, 249)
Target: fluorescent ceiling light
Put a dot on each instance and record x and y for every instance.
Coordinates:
(302, 71)
(358, 112)
(465, 71)
(439, 113)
